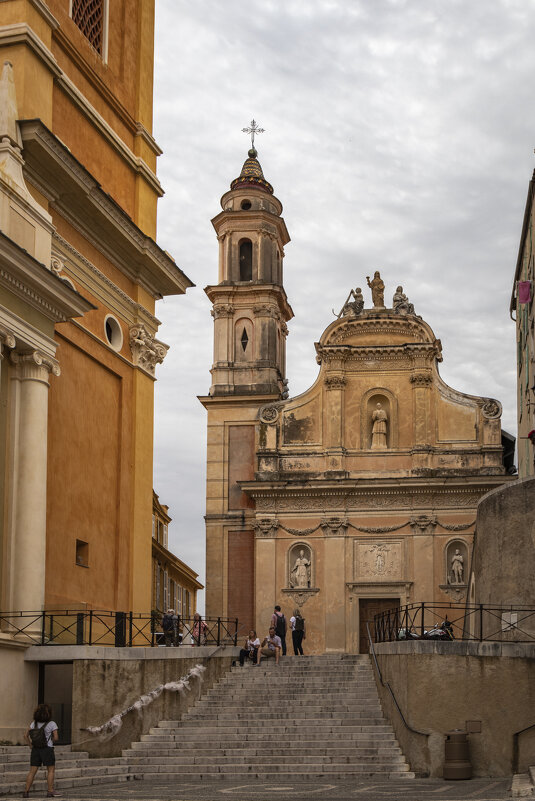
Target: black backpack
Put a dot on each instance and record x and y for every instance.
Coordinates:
(38, 737)
(167, 622)
(299, 623)
(280, 628)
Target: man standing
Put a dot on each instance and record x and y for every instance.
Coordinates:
(278, 621)
(271, 646)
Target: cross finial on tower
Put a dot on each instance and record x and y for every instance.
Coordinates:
(253, 129)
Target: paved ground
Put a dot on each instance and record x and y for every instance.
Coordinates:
(399, 790)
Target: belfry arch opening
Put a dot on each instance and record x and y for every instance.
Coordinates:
(246, 260)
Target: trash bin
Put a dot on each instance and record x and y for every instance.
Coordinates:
(457, 756)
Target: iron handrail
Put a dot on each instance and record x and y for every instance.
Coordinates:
(114, 628)
(389, 688)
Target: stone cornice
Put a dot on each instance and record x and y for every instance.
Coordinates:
(248, 294)
(38, 286)
(80, 199)
(379, 353)
(76, 262)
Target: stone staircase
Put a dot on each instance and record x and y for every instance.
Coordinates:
(310, 717)
(73, 769)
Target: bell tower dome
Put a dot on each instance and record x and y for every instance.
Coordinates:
(249, 304)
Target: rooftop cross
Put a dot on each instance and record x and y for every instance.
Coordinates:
(254, 129)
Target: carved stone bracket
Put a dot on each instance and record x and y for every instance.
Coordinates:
(222, 310)
(270, 413)
(147, 351)
(421, 379)
(7, 339)
(301, 596)
(423, 524)
(334, 526)
(335, 382)
(457, 592)
(266, 526)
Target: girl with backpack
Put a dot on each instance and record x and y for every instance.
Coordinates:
(297, 624)
(41, 735)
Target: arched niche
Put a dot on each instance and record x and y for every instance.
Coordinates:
(243, 340)
(300, 566)
(369, 405)
(456, 562)
(245, 259)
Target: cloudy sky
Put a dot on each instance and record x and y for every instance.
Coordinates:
(399, 136)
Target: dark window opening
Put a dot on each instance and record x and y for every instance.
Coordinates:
(109, 331)
(244, 339)
(88, 15)
(246, 260)
(82, 553)
(246, 205)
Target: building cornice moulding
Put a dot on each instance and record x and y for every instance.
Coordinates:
(26, 336)
(100, 285)
(95, 215)
(35, 284)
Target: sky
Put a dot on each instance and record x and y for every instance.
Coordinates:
(399, 137)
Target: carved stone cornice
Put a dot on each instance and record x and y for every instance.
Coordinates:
(335, 382)
(147, 351)
(266, 526)
(376, 356)
(222, 310)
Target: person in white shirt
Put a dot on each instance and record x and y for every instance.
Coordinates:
(250, 648)
(271, 646)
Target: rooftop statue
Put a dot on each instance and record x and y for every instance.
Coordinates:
(400, 302)
(378, 290)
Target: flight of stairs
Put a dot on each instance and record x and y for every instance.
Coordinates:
(309, 717)
(73, 769)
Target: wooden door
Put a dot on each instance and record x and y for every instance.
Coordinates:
(368, 608)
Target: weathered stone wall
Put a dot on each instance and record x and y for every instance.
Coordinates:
(441, 686)
(18, 691)
(504, 548)
(104, 686)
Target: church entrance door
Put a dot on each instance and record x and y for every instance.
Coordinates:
(368, 608)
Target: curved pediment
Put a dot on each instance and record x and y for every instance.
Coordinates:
(375, 329)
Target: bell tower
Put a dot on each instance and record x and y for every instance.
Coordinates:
(250, 312)
(250, 307)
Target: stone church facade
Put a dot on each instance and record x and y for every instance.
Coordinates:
(361, 493)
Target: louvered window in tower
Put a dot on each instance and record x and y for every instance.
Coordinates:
(89, 16)
(244, 339)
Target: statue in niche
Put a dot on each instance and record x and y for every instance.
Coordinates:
(378, 290)
(400, 302)
(355, 306)
(300, 573)
(379, 419)
(457, 567)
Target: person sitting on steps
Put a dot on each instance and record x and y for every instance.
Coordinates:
(250, 648)
(271, 646)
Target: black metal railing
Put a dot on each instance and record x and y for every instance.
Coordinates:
(480, 622)
(119, 629)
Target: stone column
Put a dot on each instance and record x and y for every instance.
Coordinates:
(29, 462)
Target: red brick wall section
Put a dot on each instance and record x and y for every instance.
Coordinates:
(241, 579)
(241, 459)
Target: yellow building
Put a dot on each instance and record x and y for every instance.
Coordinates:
(174, 583)
(361, 493)
(80, 272)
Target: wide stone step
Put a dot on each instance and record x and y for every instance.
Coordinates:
(365, 749)
(270, 770)
(267, 759)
